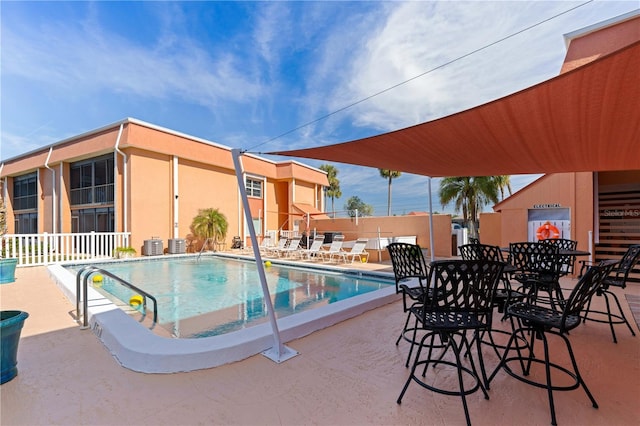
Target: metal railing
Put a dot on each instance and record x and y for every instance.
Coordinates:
(81, 290)
(99, 194)
(45, 249)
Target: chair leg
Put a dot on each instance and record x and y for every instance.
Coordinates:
(586, 311)
(613, 332)
(406, 324)
(413, 368)
(623, 317)
(503, 358)
(548, 374)
(478, 339)
(577, 372)
(456, 351)
(445, 341)
(413, 343)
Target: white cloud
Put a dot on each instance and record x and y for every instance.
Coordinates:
(89, 59)
(419, 37)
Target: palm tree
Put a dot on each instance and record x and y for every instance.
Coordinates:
(470, 194)
(210, 225)
(390, 175)
(502, 182)
(333, 190)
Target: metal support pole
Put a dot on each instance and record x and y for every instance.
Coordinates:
(431, 248)
(279, 352)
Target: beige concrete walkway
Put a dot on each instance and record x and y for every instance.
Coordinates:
(348, 374)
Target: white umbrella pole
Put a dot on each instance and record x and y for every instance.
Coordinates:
(279, 352)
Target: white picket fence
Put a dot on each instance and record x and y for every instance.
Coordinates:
(45, 249)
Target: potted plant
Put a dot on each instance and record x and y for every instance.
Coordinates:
(124, 252)
(7, 265)
(11, 323)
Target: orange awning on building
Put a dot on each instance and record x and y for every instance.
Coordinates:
(308, 209)
(587, 119)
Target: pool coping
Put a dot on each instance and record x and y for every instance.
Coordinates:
(137, 348)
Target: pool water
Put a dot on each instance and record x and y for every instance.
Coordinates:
(212, 296)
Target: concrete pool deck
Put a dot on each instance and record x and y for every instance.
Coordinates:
(348, 374)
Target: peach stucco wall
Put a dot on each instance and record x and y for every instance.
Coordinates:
(150, 189)
(491, 229)
(392, 226)
(202, 186)
(568, 190)
(591, 46)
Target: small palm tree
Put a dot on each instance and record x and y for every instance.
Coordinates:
(390, 175)
(210, 225)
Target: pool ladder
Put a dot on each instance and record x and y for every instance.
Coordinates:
(203, 247)
(89, 271)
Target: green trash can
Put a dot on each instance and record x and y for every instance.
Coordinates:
(11, 323)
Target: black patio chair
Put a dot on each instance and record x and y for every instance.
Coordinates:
(539, 321)
(567, 260)
(617, 278)
(411, 272)
(504, 293)
(537, 267)
(461, 304)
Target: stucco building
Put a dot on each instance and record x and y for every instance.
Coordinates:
(601, 210)
(136, 177)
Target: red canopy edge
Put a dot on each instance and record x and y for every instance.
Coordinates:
(587, 119)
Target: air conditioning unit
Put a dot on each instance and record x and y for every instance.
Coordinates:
(152, 247)
(177, 246)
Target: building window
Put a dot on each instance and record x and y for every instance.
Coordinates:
(257, 226)
(25, 192)
(98, 220)
(26, 223)
(92, 181)
(25, 204)
(254, 187)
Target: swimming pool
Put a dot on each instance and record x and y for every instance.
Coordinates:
(137, 348)
(209, 296)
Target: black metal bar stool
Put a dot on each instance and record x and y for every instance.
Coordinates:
(617, 278)
(461, 304)
(538, 322)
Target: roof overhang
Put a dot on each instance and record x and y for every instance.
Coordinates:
(309, 210)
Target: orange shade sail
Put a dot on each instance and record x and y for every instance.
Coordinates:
(587, 119)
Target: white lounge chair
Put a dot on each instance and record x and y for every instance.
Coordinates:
(273, 250)
(334, 248)
(356, 251)
(314, 250)
(294, 245)
(265, 245)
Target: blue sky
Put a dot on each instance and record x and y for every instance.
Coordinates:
(243, 73)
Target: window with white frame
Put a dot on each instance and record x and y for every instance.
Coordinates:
(254, 187)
